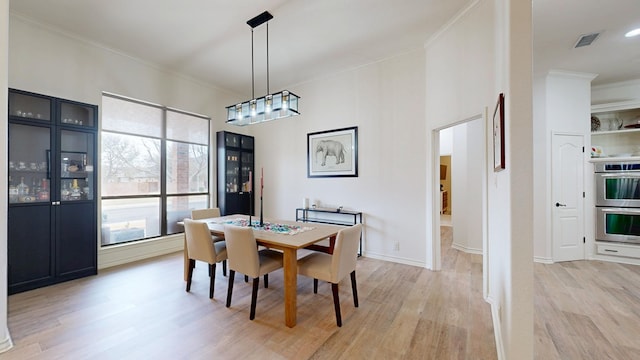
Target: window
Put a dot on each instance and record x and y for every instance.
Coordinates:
(154, 168)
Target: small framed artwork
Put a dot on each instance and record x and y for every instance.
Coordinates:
(498, 135)
(333, 153)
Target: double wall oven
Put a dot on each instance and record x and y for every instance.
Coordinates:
(618, 202)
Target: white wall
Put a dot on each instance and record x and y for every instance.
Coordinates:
(467, 185)
(616, 92)
(484, 52)
(385, 101)
(446, 141)
(562, 101)
(5, 339)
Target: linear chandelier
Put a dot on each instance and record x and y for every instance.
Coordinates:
(272, 106)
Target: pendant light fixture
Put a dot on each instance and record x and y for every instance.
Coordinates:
(272, 106)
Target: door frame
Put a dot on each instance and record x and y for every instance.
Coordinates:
(434, 251)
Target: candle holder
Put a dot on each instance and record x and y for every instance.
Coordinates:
(250, 207)
(261, 219)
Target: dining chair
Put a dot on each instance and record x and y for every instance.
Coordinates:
(199, 214)
(200, 247)
(333, 268)
(245, 258)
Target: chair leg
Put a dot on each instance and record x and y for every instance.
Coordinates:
(224, 267)
(266, 281)
(246, 278)
(336, 303)
(232, 274)
(315, 286)
(354, 288)
(212, 279)
(254, 297)
(192, 264)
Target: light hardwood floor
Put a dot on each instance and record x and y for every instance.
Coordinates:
(587, 310)
(583, 310)
(141, 311)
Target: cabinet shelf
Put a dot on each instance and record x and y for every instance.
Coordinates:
(614, 132)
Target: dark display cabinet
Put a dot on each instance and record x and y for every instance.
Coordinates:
(52, 219)
(235, 162)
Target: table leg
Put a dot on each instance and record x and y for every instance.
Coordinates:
(290, 268)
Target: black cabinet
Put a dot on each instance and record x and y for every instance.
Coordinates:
(52, 221)
(235, 163)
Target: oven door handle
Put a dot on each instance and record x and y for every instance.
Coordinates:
(622, 175)
(621, 211)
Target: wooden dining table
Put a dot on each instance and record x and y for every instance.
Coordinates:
(288, 244)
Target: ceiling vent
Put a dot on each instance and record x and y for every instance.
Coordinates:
(586, 40)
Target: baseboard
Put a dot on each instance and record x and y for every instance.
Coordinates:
(394, 259)
(497, 328)
(467, 249)
(6, 343)
(542, 260)
(126, 253)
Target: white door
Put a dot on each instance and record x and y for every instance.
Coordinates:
(567, 197)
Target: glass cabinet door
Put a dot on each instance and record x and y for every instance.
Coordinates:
(232, 140)
(233, 168)
(77, 114)
(76, 166)
(247, 166)
(29, 106)
(29, 172)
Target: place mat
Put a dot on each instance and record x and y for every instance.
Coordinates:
(274, 228)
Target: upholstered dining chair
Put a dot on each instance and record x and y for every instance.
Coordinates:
(200, 247)
(199, 214)
(245, 258)
(335, 267)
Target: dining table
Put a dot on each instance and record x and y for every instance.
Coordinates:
(271, 235)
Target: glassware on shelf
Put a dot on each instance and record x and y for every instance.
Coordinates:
(13, 191)
(43, 194)
(65, 192)
(75, 194)
(23, 192)
(23, 189)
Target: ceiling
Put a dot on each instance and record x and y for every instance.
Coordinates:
(308, 39)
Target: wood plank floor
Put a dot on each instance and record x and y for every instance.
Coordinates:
(141, 311)
(587, 310)
(583, 310)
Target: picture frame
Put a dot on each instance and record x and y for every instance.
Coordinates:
(498, 135)
(333, 153)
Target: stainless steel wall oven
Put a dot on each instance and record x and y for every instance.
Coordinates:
(618, 202)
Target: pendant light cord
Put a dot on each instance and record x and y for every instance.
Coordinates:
(268, 92)
(253, 81)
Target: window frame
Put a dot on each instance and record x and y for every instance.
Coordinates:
(163, 195)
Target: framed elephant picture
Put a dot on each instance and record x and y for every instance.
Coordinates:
(333, 153)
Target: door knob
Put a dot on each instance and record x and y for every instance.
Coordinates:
(558, 204)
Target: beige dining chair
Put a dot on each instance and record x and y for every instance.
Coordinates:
(335, 267)
(199, 214)
(200, 247)
(245, 258)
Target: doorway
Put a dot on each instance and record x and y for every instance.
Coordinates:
(462, 149)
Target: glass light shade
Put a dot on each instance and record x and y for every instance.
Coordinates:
(280, 105)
